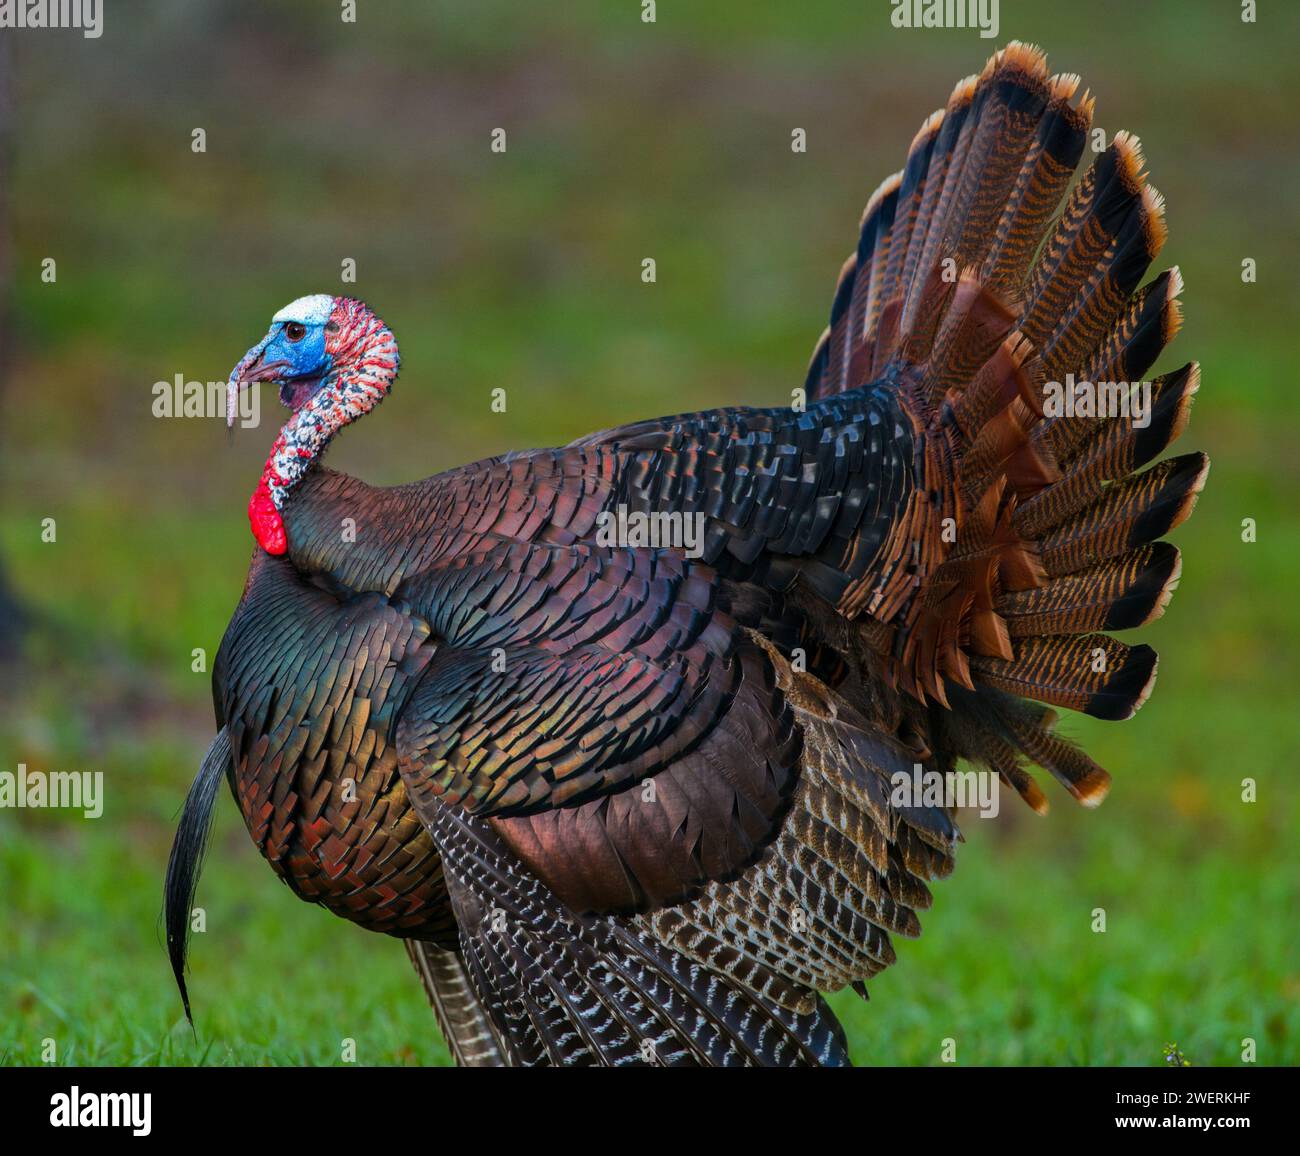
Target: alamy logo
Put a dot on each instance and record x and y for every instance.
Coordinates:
(83, 790)
(981, 14)
(1104, 399)
(922, 788)
(78, 1109)
(181, 398)
(619, 527)
(88, 15)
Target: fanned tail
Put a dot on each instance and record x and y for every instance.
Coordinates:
(1012, 320)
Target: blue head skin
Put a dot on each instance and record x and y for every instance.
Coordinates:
(292, 353)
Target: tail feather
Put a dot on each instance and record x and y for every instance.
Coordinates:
(1141, 508)
(1012, 95)
(921, 181)
(1068, 764)
(1048, 165)
(1113, 452)
(1118, 594)
(1110, 247)
(1099, 212)
(1003, 756)
(972, 330)
(1148, 323)
(1095, 674)
(875, 241)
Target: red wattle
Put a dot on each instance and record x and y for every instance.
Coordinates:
(268, 529)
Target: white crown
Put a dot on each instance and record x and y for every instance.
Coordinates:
(313, 310)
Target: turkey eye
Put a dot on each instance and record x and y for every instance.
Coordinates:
(294, 331)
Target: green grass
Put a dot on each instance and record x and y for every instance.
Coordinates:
(522, 271)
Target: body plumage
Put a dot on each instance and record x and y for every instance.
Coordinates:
(631, 805)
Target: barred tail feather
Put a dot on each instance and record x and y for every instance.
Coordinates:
(985, 290)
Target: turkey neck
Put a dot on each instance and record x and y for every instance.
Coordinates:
(367, 366)
(362, 537)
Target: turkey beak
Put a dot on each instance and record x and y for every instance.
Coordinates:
(250, 369)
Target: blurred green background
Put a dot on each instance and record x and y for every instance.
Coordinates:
(369, 141)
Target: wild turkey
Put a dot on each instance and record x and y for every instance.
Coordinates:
(626, 805)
